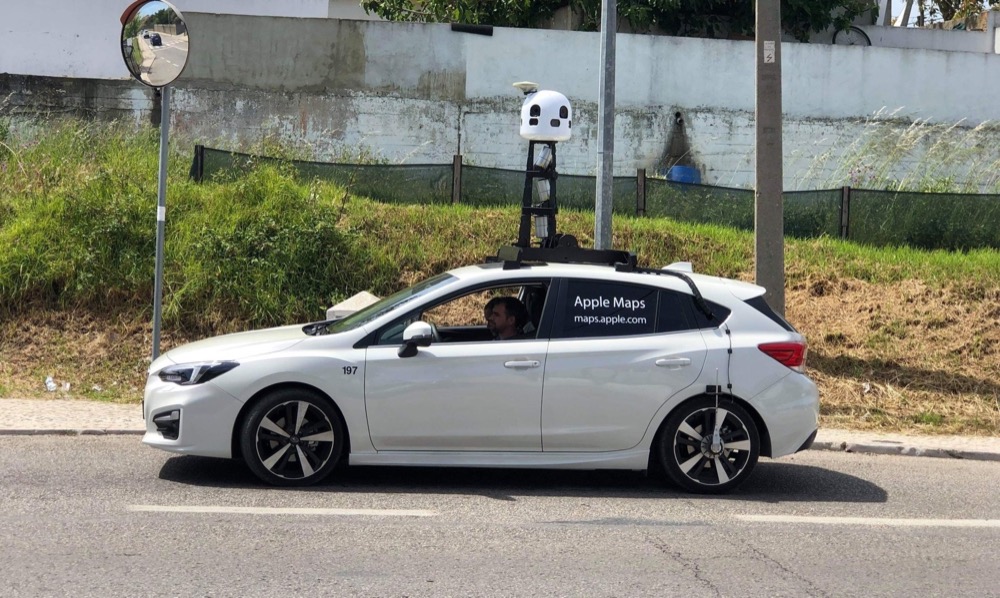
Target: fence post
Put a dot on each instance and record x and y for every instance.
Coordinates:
(198, 164)
(640, 192)
(456, 179)
(845, 212)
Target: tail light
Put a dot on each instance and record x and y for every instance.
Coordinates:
(791, 355)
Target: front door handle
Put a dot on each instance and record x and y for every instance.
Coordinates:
(516, 365)
(672, 362)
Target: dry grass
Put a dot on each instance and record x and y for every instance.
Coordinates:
(901, 356)
(894, 357)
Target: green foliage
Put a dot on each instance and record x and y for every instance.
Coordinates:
(266, 249)
(950, 9)
(696, 18)
(266, 246)
(725, 18)
(78, 230)
(501, 13)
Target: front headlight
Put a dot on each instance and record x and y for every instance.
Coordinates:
(187, 374)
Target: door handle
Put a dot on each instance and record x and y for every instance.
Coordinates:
(672, 362)
(514, 365)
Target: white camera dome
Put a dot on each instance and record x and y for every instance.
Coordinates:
(546, 116)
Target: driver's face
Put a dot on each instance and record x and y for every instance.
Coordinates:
(498, 321)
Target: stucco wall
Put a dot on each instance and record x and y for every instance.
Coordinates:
(420, 93)
(73, 38)
(376, 83)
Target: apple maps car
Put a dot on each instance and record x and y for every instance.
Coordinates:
(616, 367)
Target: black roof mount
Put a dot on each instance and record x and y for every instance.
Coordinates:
(513, 256)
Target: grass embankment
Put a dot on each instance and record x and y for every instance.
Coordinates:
(899, 339)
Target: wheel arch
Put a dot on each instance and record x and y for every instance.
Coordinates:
(762, 431)
(234, 440)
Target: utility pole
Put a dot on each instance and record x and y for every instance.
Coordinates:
(769, 230)
(606, 127)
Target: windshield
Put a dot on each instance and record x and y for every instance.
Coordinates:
(384, 306)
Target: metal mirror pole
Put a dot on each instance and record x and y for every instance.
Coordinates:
(161, 216)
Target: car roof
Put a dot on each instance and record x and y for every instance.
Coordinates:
(709, 285)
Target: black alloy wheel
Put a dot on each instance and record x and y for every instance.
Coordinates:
(292, 438)
(709, 446)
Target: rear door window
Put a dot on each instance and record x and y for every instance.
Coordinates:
(597, 308)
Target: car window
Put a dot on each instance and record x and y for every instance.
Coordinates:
(461, 318)
(675, 312)
(466, 310)
(679, 312)
(719, 314)
(589, 308)
(390, 303)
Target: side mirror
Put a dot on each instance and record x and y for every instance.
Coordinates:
(417, 334)
(154, 42)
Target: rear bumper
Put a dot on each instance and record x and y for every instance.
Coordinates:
(808, 443)
(790, 410)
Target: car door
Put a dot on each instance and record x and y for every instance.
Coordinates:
(618, 352)
(458, 394)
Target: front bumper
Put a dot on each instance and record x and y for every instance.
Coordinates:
(206, 415)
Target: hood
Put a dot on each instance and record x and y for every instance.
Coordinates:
(238, 345)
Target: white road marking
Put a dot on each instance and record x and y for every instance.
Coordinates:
(282, 511)
(872, 521)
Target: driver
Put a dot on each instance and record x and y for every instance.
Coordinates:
(506, 317)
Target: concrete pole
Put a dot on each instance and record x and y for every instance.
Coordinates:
(606, 127)
(769, 232)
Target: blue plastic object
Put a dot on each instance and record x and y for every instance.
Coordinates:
(684, 174)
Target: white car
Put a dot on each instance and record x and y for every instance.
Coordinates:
(617, 368)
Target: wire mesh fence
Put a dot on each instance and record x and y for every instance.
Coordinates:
(951, 221)
(923, 220)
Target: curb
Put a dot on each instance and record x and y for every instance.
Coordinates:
(69, 432)
(906, 450)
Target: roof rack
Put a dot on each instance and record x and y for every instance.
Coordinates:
(698, 299)
(566, 252)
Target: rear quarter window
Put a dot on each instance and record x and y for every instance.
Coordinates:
(702, 320)
(760, 304)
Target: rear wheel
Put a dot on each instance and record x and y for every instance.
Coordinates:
(292, 437)
(709, 447)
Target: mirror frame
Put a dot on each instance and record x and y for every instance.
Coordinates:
(126, 18)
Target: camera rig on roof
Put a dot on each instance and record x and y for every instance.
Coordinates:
(546, 118)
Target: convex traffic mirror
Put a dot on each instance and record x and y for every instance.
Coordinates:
(154, 42)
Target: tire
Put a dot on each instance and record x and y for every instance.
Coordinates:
(852, 36)
(687, 454)
(292, 437)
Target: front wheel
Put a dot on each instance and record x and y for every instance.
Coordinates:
(292, 437)
(709, 446)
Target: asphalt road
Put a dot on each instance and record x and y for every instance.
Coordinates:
(170, 58)
(106, 516)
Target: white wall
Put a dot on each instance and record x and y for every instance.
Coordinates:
(418, 93)
(350, 9)
(939, 39)
(75, 38)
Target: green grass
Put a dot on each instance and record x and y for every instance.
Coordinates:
(895, 336)
(77, 230)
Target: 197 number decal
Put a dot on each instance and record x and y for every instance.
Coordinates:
(350, 370)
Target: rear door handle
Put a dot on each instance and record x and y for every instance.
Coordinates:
(672, 362)
(516, 365)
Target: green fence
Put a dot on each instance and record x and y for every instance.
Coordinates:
(924, 220)
(927, 220)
